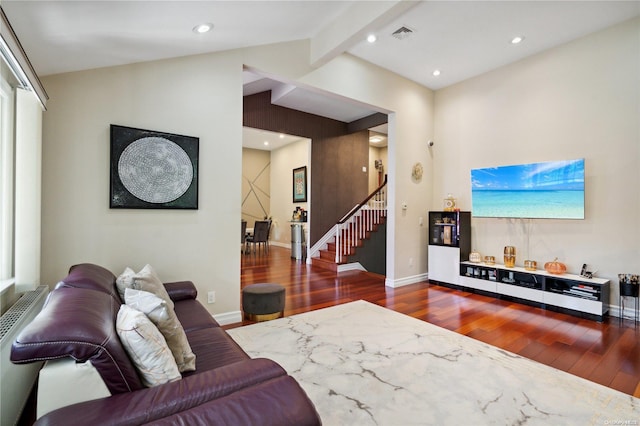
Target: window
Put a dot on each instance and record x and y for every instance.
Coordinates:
(7, 157)
(22, 101)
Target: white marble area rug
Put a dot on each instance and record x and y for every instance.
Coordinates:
(362, 364)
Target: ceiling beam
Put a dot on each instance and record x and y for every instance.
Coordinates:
(353, 26)
(367, 122)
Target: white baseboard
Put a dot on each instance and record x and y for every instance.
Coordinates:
(629, 313)
(228, 317)
(400, 282)
(279, 244)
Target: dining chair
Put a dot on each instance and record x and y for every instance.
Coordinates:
(243, 235)
(260, 235)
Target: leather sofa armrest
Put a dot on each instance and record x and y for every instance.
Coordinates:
(181, 290)
(152, 404)
(277, 402)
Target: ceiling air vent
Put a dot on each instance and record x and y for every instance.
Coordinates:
(402, 33)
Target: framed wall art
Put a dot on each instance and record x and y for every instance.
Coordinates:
(300, 185)
(153, 170)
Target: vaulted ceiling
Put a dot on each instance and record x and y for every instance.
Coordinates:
(460, 39)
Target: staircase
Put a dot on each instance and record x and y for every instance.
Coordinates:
(351, 232)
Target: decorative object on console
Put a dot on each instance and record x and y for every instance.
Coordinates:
(153, 170)
(490, 260)
(475, 257)
(509, 256)
(555, 267)
(585, 273)
(530, 265)
(449, 203)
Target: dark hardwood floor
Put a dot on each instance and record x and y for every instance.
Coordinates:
(607, 353)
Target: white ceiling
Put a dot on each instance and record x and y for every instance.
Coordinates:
(265, 140)
(460, 38)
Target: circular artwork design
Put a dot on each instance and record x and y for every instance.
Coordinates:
(155, 170)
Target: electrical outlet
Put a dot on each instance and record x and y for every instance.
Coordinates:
(211, 297)
(411, 261)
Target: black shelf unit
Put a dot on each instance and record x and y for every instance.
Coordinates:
(449, 243)
(451, 229)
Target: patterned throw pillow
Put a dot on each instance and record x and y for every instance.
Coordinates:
(165, 319)
(146, 347)
(145, 280)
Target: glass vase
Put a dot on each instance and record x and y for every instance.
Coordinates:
(509, 256)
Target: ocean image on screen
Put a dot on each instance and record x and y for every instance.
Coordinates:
(549, 190)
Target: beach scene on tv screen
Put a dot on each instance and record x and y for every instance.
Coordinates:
(548, 190)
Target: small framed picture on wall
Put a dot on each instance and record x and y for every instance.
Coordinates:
(300, 185)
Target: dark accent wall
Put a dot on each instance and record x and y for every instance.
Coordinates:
(373, 253)
(259, 113)
(338, 179)
(337, 157)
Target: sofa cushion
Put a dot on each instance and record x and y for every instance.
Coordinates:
(147, 347)
(214, 348)
(79, 323)
(193, 315)
(165, 319)
(145, 280)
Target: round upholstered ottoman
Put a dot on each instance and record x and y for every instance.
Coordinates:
(263, 302)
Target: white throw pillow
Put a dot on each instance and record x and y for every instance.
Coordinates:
(156, 309)
(146, 347)
(145, 280)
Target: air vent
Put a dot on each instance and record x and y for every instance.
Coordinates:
(402, 33)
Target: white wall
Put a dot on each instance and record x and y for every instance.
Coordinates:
(283, 161)
(201, 96)
(196, 96)
(580, 100)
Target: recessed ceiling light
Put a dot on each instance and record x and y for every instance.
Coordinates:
(371, 38)
(281, 136)
(436, 73)
(376, 139)
(266, 143)
(203, 28)
(517, 39)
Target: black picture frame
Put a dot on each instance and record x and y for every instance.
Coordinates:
(300, 184)
(152, 170)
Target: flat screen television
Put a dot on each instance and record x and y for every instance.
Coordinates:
(548, 190)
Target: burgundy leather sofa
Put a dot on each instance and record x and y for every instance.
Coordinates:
(227, 387)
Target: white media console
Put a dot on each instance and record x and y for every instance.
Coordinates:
(588, 297)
